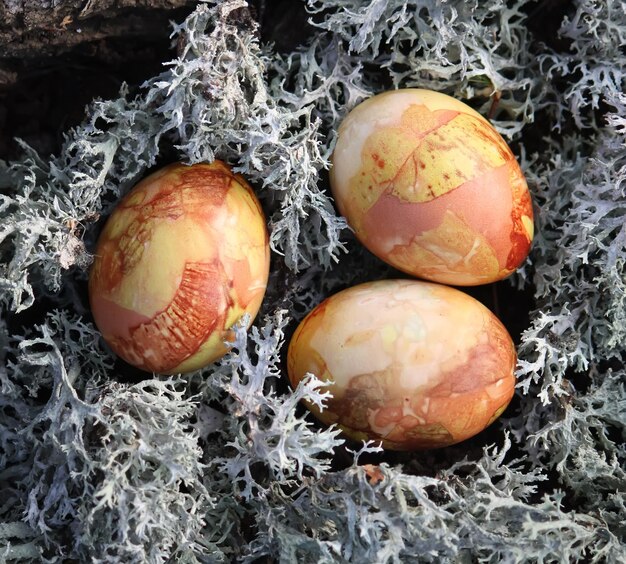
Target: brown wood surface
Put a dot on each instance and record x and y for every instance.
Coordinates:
(33, 29)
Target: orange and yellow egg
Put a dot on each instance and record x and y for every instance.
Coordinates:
(180, 260)
(429, 186)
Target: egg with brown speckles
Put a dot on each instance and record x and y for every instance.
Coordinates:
(413, 364)
(183, 257)
(429, 186)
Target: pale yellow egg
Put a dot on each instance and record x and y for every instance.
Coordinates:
(412, 364)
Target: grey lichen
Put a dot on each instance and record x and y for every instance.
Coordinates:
(225, 465)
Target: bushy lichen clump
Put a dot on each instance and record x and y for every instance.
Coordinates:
(222, 466)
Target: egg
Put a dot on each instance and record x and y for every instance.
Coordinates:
(410, 363)
(182, 258)
(429, 186)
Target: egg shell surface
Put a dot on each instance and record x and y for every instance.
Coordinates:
(429, 186)
(183, 256)
(413, 364)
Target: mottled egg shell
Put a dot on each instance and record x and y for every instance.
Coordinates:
(182, 258)
(429, 186)
(413, 364)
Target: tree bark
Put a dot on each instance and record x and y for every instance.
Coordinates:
(35, 29)
(56, 56)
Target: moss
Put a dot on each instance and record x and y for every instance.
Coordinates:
(224, 465)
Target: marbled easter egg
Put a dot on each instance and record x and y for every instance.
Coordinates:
(182, 258)
(429, 186)
(413, 364)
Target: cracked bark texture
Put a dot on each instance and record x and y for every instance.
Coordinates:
(32, 29)
(58, 55)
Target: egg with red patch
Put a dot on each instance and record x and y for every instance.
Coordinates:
(182, 258)
(409, 363)
(429, 186)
